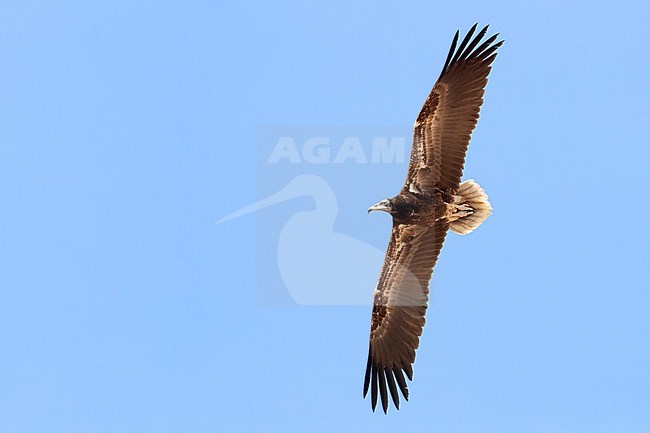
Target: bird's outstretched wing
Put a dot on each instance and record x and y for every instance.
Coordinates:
(444, 126)
(399, 307)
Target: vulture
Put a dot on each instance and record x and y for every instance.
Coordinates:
(432, 201)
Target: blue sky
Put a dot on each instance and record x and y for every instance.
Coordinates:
(130, 128)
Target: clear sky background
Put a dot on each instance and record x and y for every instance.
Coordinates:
(128, 128)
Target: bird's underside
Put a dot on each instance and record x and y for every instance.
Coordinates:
(431, 201)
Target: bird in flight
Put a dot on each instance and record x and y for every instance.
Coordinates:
(432, 200)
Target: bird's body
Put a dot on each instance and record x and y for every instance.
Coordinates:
(432, 201)
(418, 208)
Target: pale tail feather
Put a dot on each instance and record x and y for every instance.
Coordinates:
(471, 194)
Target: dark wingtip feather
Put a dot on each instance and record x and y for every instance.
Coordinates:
(474, 42)
(382, 389)
(488, 52)
(399, 377)
(451, 51)
(463, 44)
(477, 52)
(366, 381)
(408, 369)
(373, 388)
(392, 387)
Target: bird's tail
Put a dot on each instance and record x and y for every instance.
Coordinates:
(471, 208)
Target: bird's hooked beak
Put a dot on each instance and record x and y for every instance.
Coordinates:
(383, 205)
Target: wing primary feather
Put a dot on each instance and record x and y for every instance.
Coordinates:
(477, 52)
(451, 52)
(382, 389)
(392, 388)
(399, 377)
(366, 381)
(373, 387)
(474, 42)
(484, 55)
(490, 59)
(464, 43)
(408, 369)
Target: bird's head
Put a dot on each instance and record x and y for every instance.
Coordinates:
(385, 205)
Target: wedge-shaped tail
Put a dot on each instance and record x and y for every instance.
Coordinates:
(472, 208)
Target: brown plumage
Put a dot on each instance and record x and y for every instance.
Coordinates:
(431, 201)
